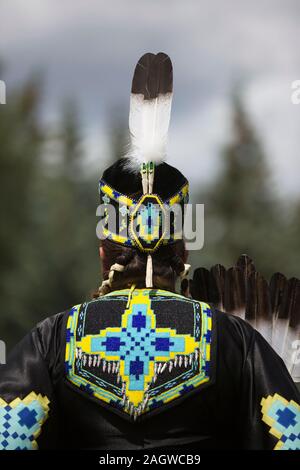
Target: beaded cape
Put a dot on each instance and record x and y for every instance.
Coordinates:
(137, 356)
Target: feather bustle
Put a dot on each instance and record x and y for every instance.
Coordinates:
(273, 308)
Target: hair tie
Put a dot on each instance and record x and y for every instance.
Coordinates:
(117, 267)
(104, 288)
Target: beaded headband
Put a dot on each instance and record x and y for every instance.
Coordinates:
(144, 223)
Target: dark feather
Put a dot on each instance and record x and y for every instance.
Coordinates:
(277, 285)
(201, 284)
(234, 297)
(295, 303)
(246, 265)
(288, 299)
(218, 273)
(258, 305)
(153, 75)
(185, 288)
(258, 299)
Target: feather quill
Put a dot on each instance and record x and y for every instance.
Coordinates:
(150, 110)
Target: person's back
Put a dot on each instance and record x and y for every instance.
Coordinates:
(141, 369)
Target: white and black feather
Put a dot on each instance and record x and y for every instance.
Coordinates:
(150, 110)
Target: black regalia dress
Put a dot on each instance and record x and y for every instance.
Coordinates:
(146, 369)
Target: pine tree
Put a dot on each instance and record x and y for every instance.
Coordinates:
(68, 222)
(241, 213)
(20, 143)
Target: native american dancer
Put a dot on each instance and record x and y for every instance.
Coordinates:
(140, 366)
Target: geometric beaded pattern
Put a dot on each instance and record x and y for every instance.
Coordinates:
(137, 355)
(145, 222)
(283, 417)
(21, 421)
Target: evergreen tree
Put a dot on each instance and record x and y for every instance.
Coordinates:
(68, 243)
(241, 213)
(20, 143)
(291, 255)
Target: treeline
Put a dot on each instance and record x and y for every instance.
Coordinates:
(243, 212)
(48, 245)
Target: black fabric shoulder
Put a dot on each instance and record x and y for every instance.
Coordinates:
(236, 333)
(51, 333)
(47, 332)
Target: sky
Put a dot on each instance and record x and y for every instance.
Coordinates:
(88, 49)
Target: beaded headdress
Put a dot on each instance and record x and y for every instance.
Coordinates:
(144, 197)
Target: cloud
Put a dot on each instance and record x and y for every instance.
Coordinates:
(89, 49)
(277, 121)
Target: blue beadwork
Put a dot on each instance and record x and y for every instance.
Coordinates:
(21, 423)
(283, 417)
(143, 346)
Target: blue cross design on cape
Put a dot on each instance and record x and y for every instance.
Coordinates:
(137, 345)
